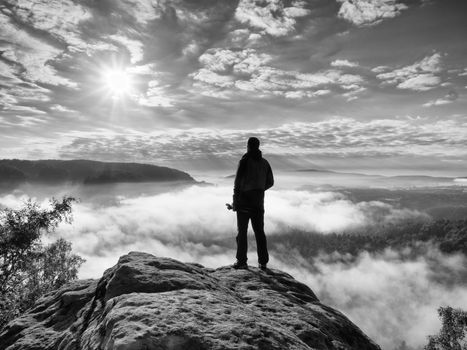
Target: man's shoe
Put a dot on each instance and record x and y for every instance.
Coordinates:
(240, 265)
(262, 267)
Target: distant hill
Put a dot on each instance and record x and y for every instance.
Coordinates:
(16, 171)
(349, 179)
(382, 177)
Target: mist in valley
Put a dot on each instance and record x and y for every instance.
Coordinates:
(391, 294)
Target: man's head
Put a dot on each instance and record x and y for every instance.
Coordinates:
(253, 144)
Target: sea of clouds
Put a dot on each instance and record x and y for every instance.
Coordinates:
(391, 296)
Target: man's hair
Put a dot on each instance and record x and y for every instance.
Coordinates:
(253, 143)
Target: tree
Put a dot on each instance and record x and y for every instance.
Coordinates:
(28, 269)
(452, 335)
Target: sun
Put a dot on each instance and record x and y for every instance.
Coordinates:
(117, 82)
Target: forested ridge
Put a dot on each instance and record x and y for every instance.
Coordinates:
(449, 235)
(13, 171)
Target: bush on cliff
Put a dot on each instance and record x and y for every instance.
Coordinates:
(28, 269)
(453, 333)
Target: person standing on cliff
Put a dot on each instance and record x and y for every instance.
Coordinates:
(254, 176)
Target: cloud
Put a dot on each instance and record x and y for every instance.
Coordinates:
(142, 11)
(107, 222)
(61, 109)
(155, 96)
(369, 12)
(16, 94)
(421, 82)
(213, 78)
(343, 63)
(420, 76)
(246, 71)
(243, 38)
(31, 53)
(380, 69)
(449, 98)
(242, 61)
(8, 72)
(327, 212)
(59, 18)
(391, 296)
(134, 47)
(271, 16)
(199, 213)
(342, 137)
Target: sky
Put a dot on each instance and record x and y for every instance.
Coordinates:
(374, 86)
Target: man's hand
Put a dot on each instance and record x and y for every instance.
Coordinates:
(231, 206)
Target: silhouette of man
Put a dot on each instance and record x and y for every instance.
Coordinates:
(254, 176)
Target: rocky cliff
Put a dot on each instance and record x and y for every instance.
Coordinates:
(146, 302)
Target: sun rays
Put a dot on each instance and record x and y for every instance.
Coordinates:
(117, 82)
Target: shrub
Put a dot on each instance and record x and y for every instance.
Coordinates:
(28, 269)
(452, 335)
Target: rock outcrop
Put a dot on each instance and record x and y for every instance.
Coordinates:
(146, 302)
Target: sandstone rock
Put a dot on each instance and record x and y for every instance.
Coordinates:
(145, 302)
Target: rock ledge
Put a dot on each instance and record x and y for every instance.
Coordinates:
(146, 302)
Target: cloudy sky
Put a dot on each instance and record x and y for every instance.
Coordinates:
(376, 85)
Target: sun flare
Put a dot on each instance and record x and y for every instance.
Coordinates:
(117, 82)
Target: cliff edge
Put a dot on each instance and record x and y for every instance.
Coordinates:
(146, 302)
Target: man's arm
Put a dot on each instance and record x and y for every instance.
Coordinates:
(238, 181)
(269, 177)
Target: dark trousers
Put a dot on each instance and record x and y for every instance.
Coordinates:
(257, 222)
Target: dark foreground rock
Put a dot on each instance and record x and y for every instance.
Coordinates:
(145, 302)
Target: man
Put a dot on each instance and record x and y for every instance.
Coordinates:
(254, 176)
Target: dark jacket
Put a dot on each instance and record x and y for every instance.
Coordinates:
(254, 176)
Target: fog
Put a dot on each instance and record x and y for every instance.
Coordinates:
(106, 225)
(388, 295)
